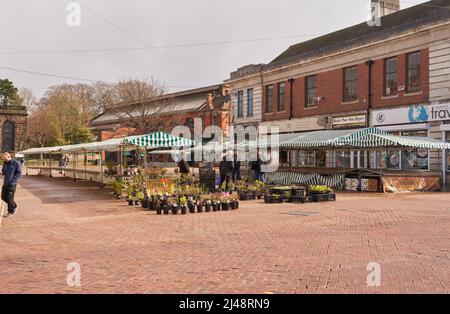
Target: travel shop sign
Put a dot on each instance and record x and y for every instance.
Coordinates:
(411, 114)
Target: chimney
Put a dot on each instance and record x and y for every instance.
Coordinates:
(384, 7)
(209, 101)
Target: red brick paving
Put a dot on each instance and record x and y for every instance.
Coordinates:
(256, 249)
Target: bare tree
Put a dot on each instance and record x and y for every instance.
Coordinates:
(28, 99)
(143, 105)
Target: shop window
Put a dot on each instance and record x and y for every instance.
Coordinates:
(284, 157)
(388, 160)
(390, 76)
(415, 158)
(306, 158)
(321, 159)
(447, 135)
(342, 159)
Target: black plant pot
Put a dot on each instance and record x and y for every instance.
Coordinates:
(215, 207)
(144, 202)
(225, 206)
(233, 205)
(137, 203)
(159, 211)
(174, 209)
(208, 207)
(150, 204)
(184, 210)
(199, 208)
(130, 202)
(191, 208)
(166, 210)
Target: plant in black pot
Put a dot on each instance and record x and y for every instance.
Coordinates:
(260, 187)
(225, 202)
(183, 204)
(174, 207)
(191, 206)
(199, 205)
(166, 209)
(208, 205)
(234, 201)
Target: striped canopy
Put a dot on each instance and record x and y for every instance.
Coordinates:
(358, 138)
(158, 140)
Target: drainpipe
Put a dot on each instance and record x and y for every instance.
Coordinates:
(291, 88)
(369, 64)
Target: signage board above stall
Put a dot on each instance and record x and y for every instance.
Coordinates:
(346, 121)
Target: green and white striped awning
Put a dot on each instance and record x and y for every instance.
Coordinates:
(356, 139)
(159, 140)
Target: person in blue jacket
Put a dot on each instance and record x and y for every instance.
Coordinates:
(11, 173)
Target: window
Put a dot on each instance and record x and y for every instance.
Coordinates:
(413, 72)
(390, 76)
(351, 84)
(343, 159)
(269, 98)
(306, 158)
(310, 91)
(415, 158)
(281, 96)
(250, 102)
(240, 108)
(8, 138)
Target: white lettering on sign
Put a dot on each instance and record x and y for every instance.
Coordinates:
(350, 120)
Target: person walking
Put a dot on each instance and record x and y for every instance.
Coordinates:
(236, 168)
(11, 173)
(256, 167)
(226, 172)
(183, 165)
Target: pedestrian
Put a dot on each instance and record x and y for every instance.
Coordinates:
(236, 168)
(226, 171)
(183, 165)
(256, 167)
(11, 173)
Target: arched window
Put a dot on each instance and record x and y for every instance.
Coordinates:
(8, 131)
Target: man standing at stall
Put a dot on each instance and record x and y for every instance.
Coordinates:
(11, 173)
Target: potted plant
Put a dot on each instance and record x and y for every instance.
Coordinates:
(183, 203)
(191, 206)
(158, 210)
(234, 201)
(174, 208)
(166, 209)
(260, 187)
(199, 206)
(225, 202)
(208, 205)
(140, 199)
(321, 193)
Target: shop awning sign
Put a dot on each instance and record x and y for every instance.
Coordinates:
(411, 114)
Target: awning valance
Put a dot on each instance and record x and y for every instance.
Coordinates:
(159, 140)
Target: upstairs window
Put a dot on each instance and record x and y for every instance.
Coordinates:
(413, 61)
(269, 98)
(240, 105)
(310, 91)
(250, 102)
(281, 96)
(390, 77)
(351, 83)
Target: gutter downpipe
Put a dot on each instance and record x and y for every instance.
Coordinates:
(291, 88)
(369, 64)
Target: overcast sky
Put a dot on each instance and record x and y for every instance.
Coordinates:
(258, 30)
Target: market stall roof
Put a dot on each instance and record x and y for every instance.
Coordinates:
(159, 140)
(357, 138)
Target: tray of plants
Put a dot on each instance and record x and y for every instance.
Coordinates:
(321, 193)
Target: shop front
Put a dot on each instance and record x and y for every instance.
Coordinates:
(418, 121)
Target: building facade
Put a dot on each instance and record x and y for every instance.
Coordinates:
(13, 121)
(210, 104)
(353, 78)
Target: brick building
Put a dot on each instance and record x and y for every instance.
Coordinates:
(13, 121)
(211, 104)
(353, 78)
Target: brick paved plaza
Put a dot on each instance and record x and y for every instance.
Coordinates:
(289, 248)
